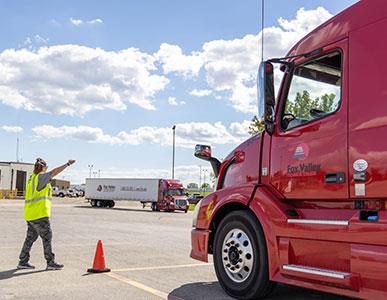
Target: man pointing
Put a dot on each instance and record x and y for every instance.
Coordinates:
(37, 210)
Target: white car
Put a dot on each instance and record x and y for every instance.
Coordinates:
(59, 192)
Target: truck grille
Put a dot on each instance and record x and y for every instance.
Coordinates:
(180, 203)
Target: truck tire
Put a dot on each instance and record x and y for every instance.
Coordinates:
(93, 203)
(111, 204)
(100, 203)
(154, 207)
(61, 195)
(240, 257)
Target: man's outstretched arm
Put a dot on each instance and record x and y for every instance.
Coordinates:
(61, 168)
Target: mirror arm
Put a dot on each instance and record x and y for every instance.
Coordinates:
(215, 163)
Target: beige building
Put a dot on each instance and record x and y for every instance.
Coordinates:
(14, 176)
(60, 184)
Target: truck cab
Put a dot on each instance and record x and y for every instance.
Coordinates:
(171, 196)
(304, 202)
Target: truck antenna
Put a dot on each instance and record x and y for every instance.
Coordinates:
(262, 25)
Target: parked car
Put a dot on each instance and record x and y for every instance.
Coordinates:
(59, 192)
(73, 193)
(194, 198)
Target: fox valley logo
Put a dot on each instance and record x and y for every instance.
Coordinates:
(301, 152)
(99, 188)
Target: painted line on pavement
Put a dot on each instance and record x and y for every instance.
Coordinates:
(161, 267)
(142, 287)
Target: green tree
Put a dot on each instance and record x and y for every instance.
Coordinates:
(300, 108)
(256, 126)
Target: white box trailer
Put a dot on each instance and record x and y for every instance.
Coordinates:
(163, 194)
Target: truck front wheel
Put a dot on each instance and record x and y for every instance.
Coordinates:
(240, 257)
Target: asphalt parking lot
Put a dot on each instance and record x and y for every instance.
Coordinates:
(148, 253)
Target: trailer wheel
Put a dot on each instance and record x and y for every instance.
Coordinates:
(111, 204)
(99, 203)
(154, 206)
(93, 203)
(240, 257)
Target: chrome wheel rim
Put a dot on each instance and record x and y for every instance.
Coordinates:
(237, 255)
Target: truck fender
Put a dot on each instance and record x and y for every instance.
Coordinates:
(271, 214)
(219, 204)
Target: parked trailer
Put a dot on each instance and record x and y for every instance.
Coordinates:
(161, 194)
(305, 201)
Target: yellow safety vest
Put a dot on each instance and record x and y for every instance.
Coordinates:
(37, 204)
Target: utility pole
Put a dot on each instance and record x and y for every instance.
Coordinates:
(173, 151)
(17, 149)
(99, 173)
(90, 168)
(200, 177)
(204, 177)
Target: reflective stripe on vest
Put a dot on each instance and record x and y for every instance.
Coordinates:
(38, 199)
(37, 204)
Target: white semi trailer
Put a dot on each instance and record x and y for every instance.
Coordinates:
(162, 194)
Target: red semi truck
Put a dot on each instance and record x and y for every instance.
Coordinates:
(305, 202)
(161, 194)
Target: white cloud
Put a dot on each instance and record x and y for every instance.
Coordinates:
(187, 134)
(173, 60)
(240, 129)
(79, 22)
(12, 129)
(200, 93)
(185, 173)
(172, 101)
(231, 65)
(32, 43)
(76, 22)
(95, 21)
(73, 80)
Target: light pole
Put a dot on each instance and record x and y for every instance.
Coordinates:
(90, 168)
(173, 151)
(99, 173)
(200, 177)
(204, 177)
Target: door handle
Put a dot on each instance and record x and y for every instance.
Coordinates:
(335, 177)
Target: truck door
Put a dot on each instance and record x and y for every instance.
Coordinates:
(309, 145)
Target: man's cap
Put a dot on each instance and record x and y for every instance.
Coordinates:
(41, 162)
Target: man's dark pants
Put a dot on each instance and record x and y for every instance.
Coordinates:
(35, 229)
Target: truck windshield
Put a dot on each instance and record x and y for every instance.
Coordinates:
(175, 192)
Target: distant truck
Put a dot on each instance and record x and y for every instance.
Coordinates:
(161, 194)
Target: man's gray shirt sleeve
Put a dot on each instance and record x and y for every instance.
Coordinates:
(43, 179)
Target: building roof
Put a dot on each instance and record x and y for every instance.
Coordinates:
(358, 15)
(15, 163)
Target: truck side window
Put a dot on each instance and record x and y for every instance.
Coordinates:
(314, 92)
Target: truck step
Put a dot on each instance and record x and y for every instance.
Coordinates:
(316, 271)
(322, 276)
(319, 222)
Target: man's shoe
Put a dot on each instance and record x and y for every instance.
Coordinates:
(25, 266)
(54, 266)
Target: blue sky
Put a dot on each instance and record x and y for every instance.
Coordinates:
(71, 88)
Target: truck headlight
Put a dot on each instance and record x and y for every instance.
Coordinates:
(196, 213)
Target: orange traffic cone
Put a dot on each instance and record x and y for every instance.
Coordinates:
(99, 260)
